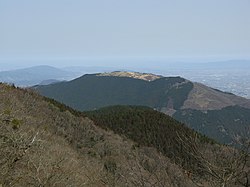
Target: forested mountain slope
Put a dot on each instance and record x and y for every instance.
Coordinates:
(188, 102)
(93, 91)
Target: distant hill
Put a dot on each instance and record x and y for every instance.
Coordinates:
(170, 95)
(95, 91)
(34, 75)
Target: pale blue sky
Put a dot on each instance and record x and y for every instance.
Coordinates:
(173, 29)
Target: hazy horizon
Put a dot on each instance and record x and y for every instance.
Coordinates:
(119, 63)
(230, 76)
(180, 31)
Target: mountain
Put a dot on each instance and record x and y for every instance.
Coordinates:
(34, 75)
(171, 95)
(46, 143)
(99, 90)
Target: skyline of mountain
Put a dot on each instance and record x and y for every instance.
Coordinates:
(229, 76)
(35, 75)
(153, 63)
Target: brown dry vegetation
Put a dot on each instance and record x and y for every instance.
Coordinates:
(205, 98)
(43, 146)
(135, 75)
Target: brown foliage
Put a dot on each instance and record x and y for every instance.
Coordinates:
(42, 145)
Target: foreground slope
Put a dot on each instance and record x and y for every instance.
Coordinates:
(188, 102)
(44, 144)
(207, 162)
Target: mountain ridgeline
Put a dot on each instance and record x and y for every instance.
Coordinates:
(200, 107)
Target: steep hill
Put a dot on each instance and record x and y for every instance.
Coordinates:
(170, 95)
(44, 143)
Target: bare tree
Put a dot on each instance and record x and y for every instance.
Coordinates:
(32, 157)
(225, 166)
(14, 145)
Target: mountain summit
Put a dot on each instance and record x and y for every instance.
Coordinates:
(136, 75)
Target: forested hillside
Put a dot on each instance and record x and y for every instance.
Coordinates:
(223, 125)
(202, 157)
(91, 91)
(150, 128)
(216, 114)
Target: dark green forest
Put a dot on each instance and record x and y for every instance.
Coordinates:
(148, 127)
(91, 92)
(221, 125)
